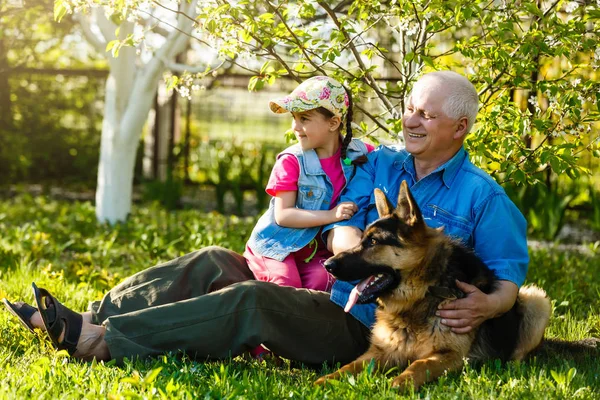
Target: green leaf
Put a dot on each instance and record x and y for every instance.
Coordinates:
(172, 82)
(265, 67)
(256, 83)
(427, 60)
(211, 26)
(111, 44)
(59, 10)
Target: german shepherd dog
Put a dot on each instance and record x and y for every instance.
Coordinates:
(410, 269)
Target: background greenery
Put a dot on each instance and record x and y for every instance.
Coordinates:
(61, 247)
(536, 69)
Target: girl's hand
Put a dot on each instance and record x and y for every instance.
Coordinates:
(344, 210)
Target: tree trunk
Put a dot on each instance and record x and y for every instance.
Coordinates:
(130, 91)
(121, 132)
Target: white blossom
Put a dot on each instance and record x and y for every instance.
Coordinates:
(571, 6)
(184, 91)
(550, 41)
(407, 25)
(533, 100)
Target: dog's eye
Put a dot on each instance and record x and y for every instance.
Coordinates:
(373, 242)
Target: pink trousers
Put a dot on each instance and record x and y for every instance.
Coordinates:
(293, 270)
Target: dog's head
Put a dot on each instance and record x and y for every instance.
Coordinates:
(393, 249)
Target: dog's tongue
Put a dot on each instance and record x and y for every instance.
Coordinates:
(356, 292)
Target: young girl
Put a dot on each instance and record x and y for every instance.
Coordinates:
(285, 246)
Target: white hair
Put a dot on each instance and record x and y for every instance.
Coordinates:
(462, 99)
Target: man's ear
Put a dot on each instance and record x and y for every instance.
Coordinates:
(461, 128)
(334, 123)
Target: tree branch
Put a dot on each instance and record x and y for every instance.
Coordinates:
(85, 24)
(370, 81)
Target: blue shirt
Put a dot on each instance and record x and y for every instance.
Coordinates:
(457, 195)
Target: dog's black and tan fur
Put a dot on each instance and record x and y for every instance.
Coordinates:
(416, 268)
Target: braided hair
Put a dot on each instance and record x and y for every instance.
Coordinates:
(348, 137)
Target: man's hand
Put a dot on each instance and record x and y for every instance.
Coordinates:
(464, 315)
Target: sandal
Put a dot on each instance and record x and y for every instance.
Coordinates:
(22, 311)
(58, 318)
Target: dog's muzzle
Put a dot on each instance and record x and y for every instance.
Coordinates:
(331, 266)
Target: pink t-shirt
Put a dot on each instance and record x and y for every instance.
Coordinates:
(286, 172)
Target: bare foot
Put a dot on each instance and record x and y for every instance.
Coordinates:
(36, 319)
(91, 343)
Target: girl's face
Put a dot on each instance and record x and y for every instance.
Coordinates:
(315, 131)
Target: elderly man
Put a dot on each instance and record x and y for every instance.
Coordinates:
(450, 191)
(207, 305)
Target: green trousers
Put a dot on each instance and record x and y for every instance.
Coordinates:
(207, 305)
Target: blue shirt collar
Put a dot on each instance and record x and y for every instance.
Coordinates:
(449, 169)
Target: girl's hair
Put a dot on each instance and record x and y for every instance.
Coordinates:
(348, 137)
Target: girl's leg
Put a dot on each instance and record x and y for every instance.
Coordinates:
(313, 274)
(282, 273)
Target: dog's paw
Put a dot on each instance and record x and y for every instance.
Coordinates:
(404, 382)
(321, 381)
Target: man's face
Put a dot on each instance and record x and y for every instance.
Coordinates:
(429, 134)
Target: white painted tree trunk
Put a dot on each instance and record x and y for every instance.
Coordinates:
(130, 90)
(121, 129)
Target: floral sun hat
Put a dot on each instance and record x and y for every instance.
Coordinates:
(318, 91)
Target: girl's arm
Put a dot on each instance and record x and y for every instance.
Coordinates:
(287, 215)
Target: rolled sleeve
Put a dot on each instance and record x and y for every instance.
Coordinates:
(500, 238)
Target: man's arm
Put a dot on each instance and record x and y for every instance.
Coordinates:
(465, 314)
(501, 242)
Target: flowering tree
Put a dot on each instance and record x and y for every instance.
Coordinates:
(140, 40)
(534, 64)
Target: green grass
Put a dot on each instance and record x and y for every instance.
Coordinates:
(61, 247)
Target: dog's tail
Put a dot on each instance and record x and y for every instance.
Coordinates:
(535, 309)
(577, 349)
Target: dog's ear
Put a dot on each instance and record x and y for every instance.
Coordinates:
(384, 207)
(407, 208)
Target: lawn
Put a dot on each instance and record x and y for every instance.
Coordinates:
(60, 246)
